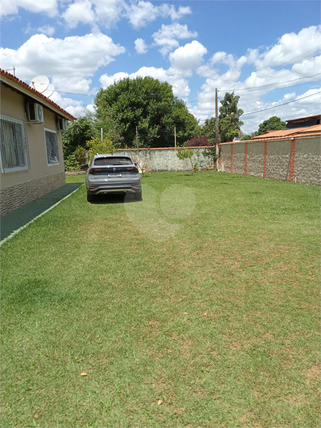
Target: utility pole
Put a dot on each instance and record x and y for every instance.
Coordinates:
(175, 147)
(217, 135)
(137, 141)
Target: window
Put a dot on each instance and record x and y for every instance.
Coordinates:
(114, 160)
(52, 147)
(13, 145)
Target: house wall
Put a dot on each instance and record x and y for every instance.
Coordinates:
(22, 187)
(296, 160)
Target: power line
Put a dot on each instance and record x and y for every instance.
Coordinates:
(271, 84)
(292, 60)
(280, 105)
(259, 87)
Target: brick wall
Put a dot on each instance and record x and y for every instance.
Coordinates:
(18, 195)
(296, 160)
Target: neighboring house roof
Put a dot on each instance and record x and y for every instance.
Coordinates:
(289, 133)
(304, 119)
(22, 87)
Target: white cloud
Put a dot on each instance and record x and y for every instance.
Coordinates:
(107, 81)
(109, 12)
(79, 12)
(290, 49)
(143, 12)
(167, 10)
(94, 12)
(46, 29)
(180, 85)
(167, 36)
(188, 57)
(70, 61)
(140, 46)
(9, 7)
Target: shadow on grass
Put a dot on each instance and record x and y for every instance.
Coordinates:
(113, 199)
(31, 292)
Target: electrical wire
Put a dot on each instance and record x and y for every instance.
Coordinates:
(271, 84)
(280, 105)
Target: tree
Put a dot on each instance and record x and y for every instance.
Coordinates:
(187, 153)
(272, 124)
(229, 117)
(246, 137)
(77, 134)
(208, 129)
(149, 105)
(95, 145)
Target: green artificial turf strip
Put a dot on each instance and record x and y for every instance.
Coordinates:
(198, 307)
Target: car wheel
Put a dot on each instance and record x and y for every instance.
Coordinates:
(90, 197)
(138, 196)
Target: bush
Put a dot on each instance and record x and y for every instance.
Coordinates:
(95, 145)
(80, 154)
(198, 141)
(71, 163)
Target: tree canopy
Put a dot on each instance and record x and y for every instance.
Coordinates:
(272, 124)
(77, 134)
(208, 129)
(149, 105)
(229, 117)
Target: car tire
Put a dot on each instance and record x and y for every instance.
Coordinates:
(138, 196)
(90, 197)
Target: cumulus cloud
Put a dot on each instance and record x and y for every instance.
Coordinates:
(290, 49)
(94, 12)
(180, 85)
(79, 12)
(46, 29)
(9, 7)
(167, 36)
(140, 46)
(70, 60)
(188, 57)
(143, 12)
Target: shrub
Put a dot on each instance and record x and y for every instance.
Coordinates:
(71, 163)
(198, 141)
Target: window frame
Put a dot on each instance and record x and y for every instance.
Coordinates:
(55, 133)
(23, 145)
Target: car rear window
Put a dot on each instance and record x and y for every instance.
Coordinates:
(115, 160)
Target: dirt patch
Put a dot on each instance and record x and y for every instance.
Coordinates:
(314, 372)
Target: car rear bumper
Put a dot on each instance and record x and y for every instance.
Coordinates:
(122, 188)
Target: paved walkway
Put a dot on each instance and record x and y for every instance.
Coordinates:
(24, 215)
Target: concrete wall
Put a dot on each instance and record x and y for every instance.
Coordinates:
(296, 160)
(165, 159)
(26, 184)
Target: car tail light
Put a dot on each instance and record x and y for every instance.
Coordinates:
(94, 170)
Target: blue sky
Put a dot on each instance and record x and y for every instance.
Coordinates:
(268, 52)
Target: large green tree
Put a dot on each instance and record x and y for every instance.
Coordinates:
(272, 124)
(149, 105)
(77, 134)
(229, 117)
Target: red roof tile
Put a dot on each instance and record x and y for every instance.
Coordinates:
(16, 83)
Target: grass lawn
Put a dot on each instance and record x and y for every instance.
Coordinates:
(198, 307)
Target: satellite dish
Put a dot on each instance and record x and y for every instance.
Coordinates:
(49, 91)
(40, 83)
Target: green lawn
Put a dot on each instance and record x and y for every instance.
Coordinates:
(198, 307)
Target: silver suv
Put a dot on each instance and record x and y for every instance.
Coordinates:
(113, 174)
